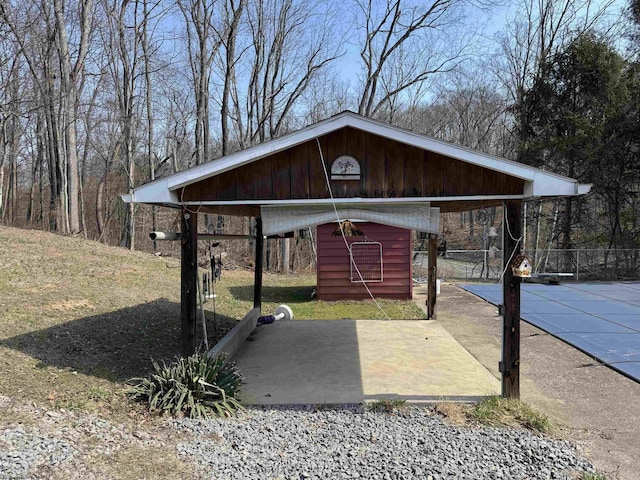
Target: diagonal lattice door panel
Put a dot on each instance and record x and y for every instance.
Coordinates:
(366, 262)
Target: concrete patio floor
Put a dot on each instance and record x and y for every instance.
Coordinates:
(353, 361)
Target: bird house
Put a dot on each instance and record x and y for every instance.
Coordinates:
(521, 266)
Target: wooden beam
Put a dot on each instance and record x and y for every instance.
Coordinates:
(188, 279)
(510, 364)
(431, 276)
(257, 283)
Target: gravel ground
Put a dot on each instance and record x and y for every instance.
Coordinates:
(306, 443)
(286, 443)
(22, 451)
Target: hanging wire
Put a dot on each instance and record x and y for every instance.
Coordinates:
(515, 248)
(344, 238)
(184, 206)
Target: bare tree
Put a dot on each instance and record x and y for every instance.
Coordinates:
(32, 28)
(203, 42)
(123, 40)
(469, 111)
(287, 44)
(147, 52)
(403, 44)
(233, 12)
(71, 81)
(9, 81)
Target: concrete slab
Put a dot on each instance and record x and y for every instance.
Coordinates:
(353, 361)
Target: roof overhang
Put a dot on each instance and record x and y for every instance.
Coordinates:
(537, 183)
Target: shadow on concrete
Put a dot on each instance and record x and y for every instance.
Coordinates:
(117, 345)
(293, 294)
(302, 362)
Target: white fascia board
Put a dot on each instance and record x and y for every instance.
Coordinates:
(251, 154)
(447, 149)
(545, 185)
(354, 201)
(584, 188)
(154, 192)
(537, 182)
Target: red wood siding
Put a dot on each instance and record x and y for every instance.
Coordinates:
(334, 268)
(389, 170)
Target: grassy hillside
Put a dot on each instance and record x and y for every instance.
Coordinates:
(78, 318)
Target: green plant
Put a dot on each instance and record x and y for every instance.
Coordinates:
(386, 405)
(593, 476)
(197, 386)
(497, 411)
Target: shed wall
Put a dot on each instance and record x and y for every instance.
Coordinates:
(333, 273)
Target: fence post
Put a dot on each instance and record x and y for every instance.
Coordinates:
(577, 265)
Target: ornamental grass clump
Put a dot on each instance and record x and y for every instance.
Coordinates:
(198, 386)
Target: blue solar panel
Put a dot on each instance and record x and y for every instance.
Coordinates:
(545, 306)
(601, 319)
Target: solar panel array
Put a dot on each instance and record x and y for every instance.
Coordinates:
(601, 319)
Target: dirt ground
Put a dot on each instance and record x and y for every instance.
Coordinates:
(598, 406)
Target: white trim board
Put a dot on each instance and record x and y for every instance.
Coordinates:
(538, 183)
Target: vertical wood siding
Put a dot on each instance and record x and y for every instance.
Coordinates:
(389, 170)
(334, 268)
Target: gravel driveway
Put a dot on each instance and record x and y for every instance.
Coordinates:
(284, 443)
(306, 443)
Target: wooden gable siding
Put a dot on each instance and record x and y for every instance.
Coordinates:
(389, 169)
(333, 273)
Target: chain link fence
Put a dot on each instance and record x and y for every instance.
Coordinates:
(589, 264)
(585, 264)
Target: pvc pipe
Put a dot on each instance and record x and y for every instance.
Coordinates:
(164, 236)
(201, 236)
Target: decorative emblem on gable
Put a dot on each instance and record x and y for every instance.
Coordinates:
(345, 167)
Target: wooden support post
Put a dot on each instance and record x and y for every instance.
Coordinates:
(510, 364)
(188, 279)
(257, 283)
(432, 276)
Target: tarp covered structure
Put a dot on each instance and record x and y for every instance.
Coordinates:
(413, 216)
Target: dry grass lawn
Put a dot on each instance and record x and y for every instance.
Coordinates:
(78, 318)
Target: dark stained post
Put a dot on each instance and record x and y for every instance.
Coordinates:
(431, 276)
(188, 279)
(510, 364)
(257, 283)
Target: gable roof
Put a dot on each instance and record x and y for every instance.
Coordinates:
(538, 183)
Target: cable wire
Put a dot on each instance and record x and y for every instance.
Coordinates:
(344, 238)
(515, 248)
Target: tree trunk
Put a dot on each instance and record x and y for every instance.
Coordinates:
(229, 78)
(100, 207)
(149, 105)
(69, 101)
(567, 245)
(285, 256)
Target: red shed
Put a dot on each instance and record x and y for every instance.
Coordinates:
(382, 255)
